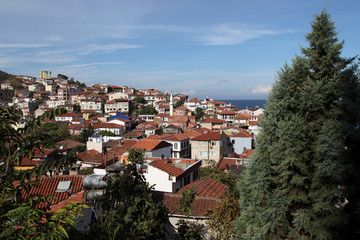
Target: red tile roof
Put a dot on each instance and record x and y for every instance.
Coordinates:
(172, 202)
(48, 187)
(242, 134)
(226, 162)
(209, 194)
(226, 112)
(247, 153)
(106, 125)
(213, 120)
(167, 167)
(174, 137)
(208, 136)
(207, 188)
(151, 145)
(68, 144)
(92, 156)
(254, 123)
(194, 100)
(245, 116)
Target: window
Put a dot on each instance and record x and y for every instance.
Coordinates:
(171, 177)
(200, 143)
(176, 145)
(63, 186)
(202, 153)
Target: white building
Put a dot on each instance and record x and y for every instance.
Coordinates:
(169, 175)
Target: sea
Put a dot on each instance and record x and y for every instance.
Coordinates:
(242, 104)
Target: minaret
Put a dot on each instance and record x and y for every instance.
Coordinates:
(171, 106)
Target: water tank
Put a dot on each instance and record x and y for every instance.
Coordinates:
(94, 181)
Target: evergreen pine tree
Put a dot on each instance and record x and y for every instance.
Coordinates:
(295, 185)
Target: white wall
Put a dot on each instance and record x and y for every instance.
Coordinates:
(162, 151)
(159, 178)
(241, 143)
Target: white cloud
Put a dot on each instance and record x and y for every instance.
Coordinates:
(106, 47)
(23, 45)
(90, 64)
(261, 90)
(228, 34)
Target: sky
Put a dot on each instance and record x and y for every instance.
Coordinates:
(222, 49)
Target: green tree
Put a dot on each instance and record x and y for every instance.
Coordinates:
(228, 178)
(147, 110)
(295, 185)
(86, 133)
(77, 108)
(62, 76)
(130, 212)
(107, 133)
(222, 218)
(199, 113)
(18, 218)
(178, 103)
(140, 99)
(4, 76)
(190, 230)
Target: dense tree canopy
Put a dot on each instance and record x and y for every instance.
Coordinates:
(18, 218)
(130, 212)
(296, 184)
(147, 110)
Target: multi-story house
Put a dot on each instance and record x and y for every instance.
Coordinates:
(119, 105)
(214, 124)
(181, 144)
(242, 119)
(241, 140)
(209, 147)
(226, 115)
(170, 175)
(150, 99)
(55, 103)
(118, 95)
(91, 104)
(192, 104)
(154, 148)
(210, 106)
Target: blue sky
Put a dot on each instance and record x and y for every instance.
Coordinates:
(205, 48)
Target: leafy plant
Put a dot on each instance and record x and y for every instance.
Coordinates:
(18, 218)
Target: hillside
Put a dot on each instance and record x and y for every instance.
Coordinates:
(4, 76)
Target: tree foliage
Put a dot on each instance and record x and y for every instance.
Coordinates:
(222, 218)
(140, 99)
(295, 185)
(199, 113)
(4, 76)
(107, 133)
(18, 218)
(130, 212)
(188, 230)
(86, 133)
(147, 110)
(187, 200)
(62, 76)
(228, 178)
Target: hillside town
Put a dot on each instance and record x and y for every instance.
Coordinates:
(102, 123)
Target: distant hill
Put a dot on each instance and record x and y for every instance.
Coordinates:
(4, 76)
